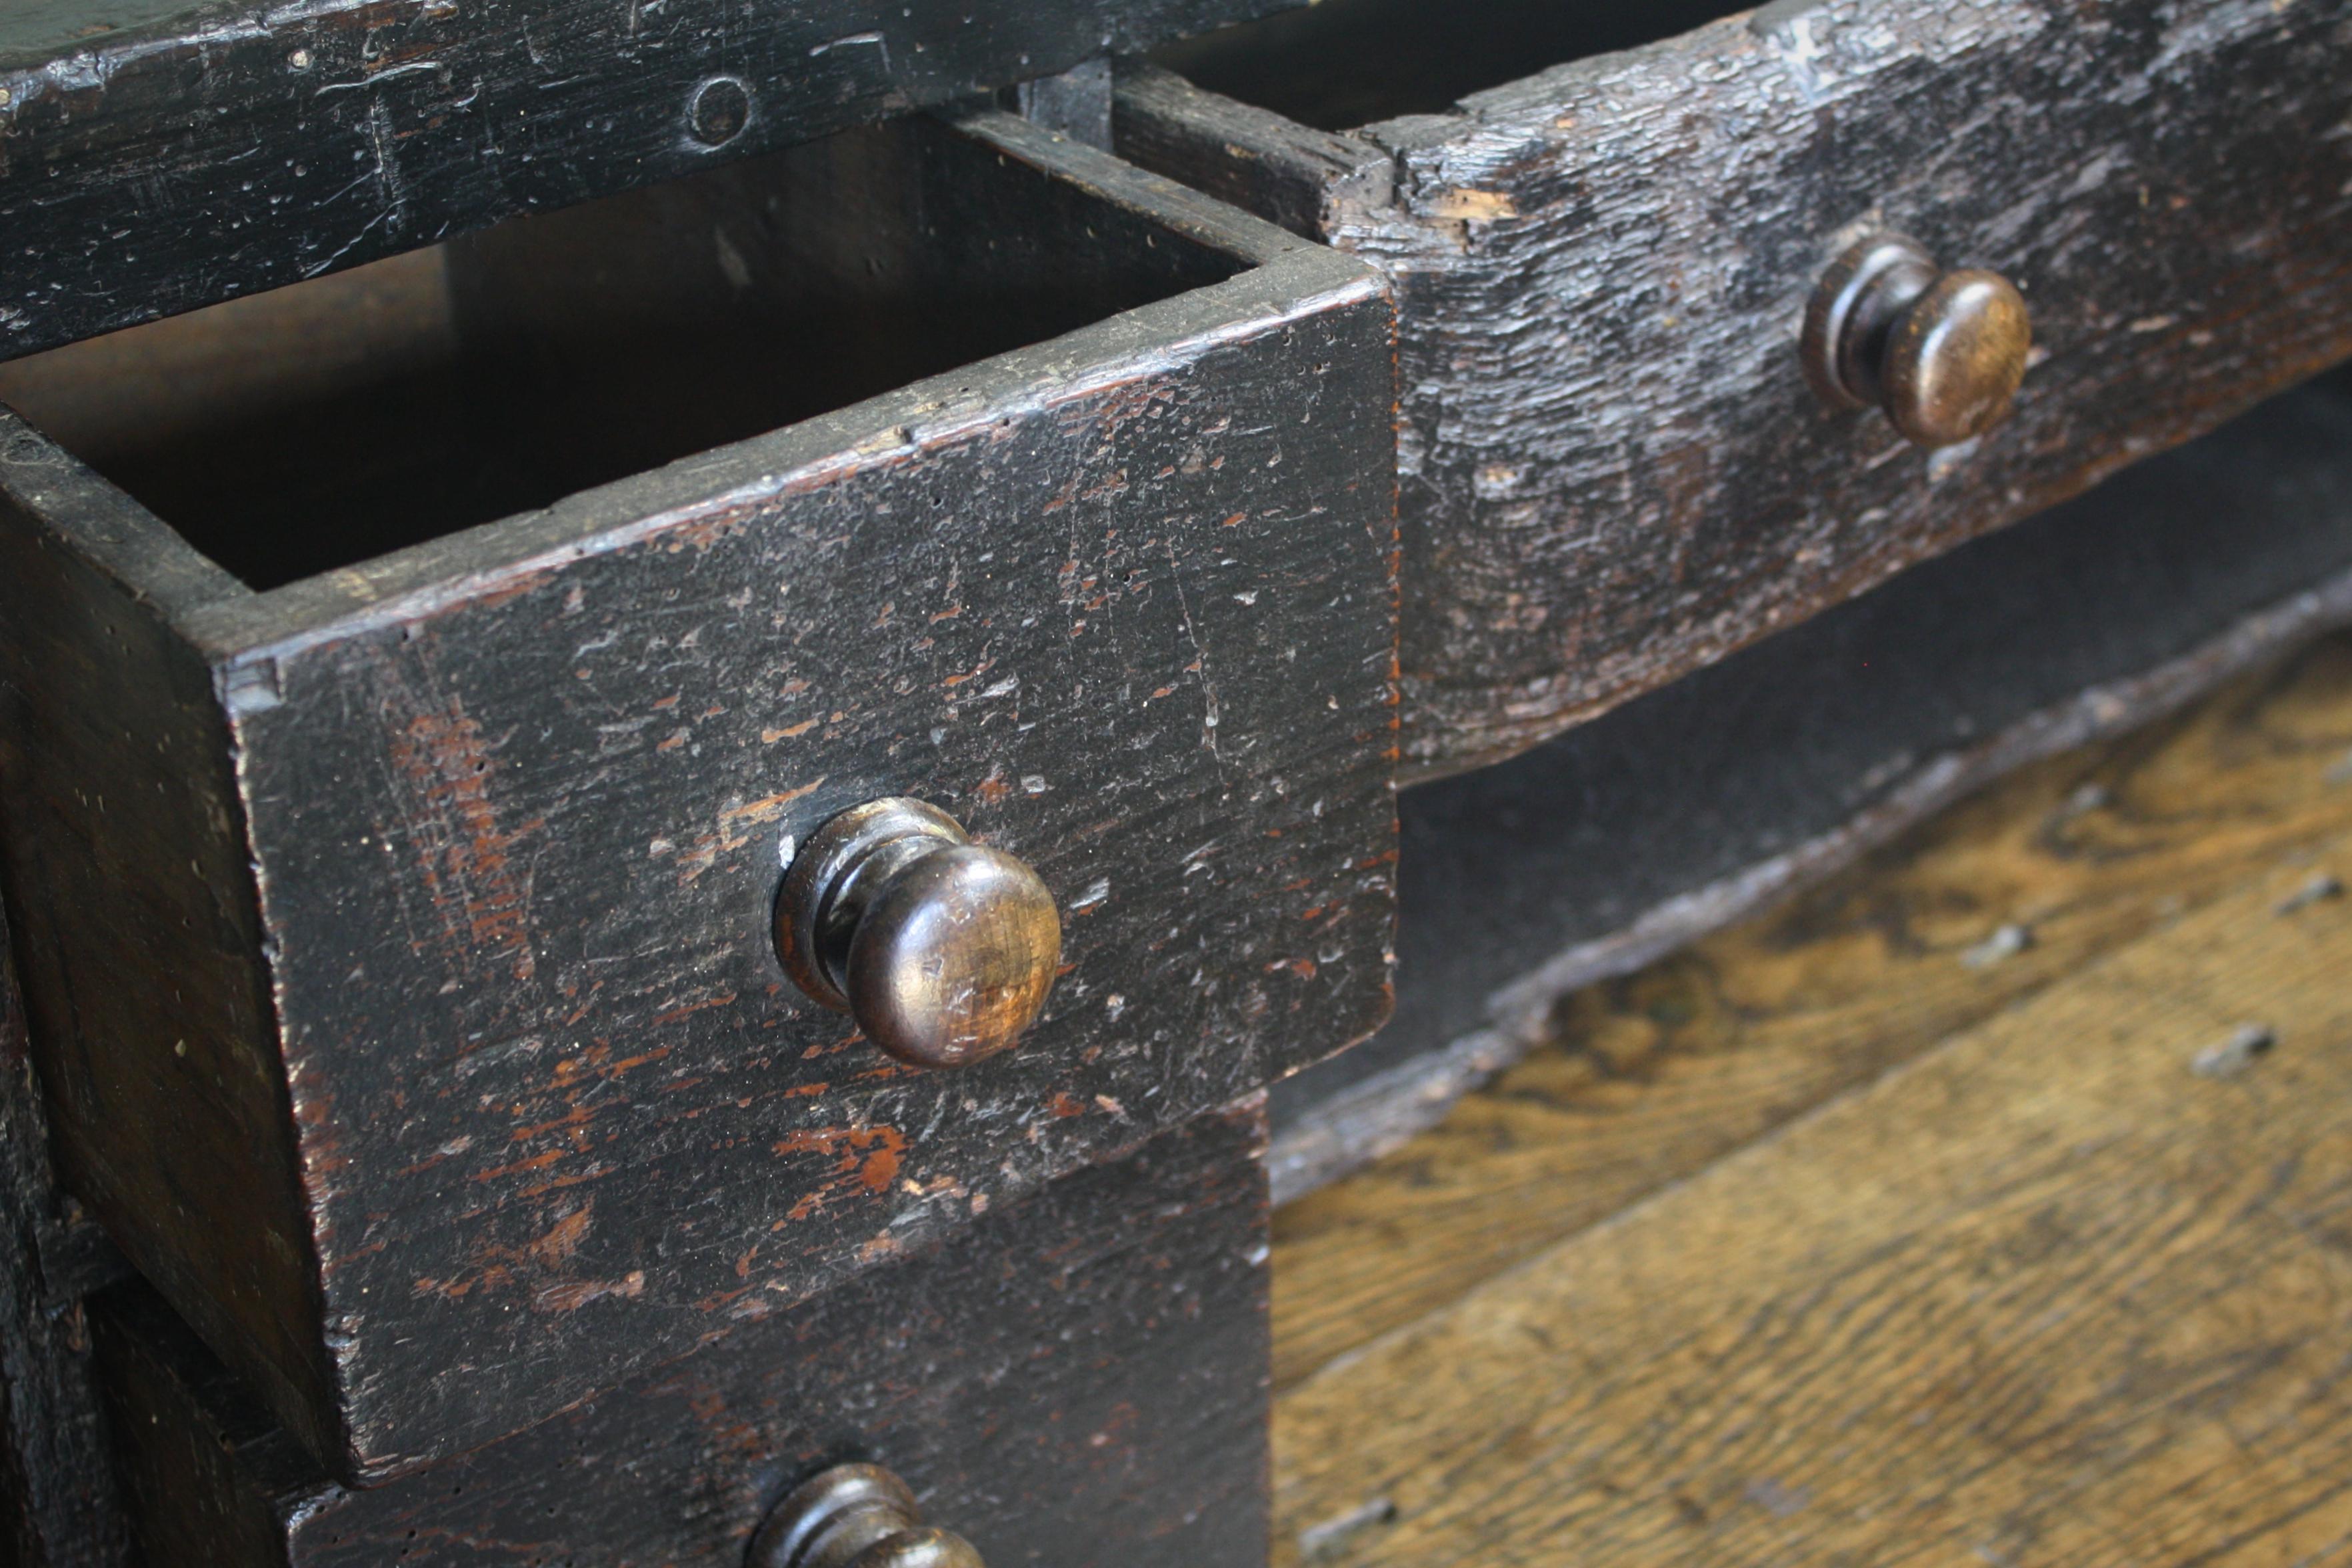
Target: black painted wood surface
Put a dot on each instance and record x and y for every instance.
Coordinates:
(481, 1086)
(156, 156)
(1076, 1381)
(1613, 844)
(1613, 470)
(58, 1502)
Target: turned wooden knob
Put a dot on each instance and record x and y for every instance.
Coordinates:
(1942, 352)
(856, 1515)
(942, 950)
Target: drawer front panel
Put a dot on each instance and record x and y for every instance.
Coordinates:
(1613, 470)
(546, 1109)
(564, 1109)
(1079, 1381)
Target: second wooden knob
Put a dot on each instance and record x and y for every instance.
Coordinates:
(1942, 352)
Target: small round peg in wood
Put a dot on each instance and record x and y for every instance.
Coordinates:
(942, 948)
(1942, 352)
(856, 1515)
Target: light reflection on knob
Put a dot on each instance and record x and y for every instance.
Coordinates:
(944, 951)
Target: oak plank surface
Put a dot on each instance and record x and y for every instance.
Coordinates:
(2060, 1291)
(1643, 1080)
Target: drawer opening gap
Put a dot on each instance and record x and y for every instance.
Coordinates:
(334, 420)
(1336, 65)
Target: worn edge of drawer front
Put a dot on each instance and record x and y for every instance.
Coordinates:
(1612, 469)
(305, 1314)
(1080, 1378)
(161, 155)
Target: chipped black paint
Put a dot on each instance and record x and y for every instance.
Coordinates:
(538, 1107)
(58, 1502)
(1077, 1381)
(1613, 471)
(156, 156)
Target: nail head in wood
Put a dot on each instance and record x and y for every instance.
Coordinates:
(721, 108)
(1942, 352)
(944, 951)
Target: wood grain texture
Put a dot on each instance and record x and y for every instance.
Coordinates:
(1078, 1379)
(2051, 1294)
(518, 800)
(1641, 1081)
(157, 156)
(58, 1502)
(1613, 470)
(1611, 844)
(103, 703)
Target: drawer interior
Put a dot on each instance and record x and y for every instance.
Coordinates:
(1339, 64)
(325, 422)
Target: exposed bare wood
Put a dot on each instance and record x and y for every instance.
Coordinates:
(2057, 1292)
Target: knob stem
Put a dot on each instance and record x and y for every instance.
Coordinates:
(856, 1515)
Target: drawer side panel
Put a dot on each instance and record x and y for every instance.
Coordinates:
(134, 923)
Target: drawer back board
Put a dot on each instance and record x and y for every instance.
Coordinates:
(397, 943)
(1612, 467)
(158, 155)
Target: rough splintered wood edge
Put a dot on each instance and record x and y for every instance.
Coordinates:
(1258, 160)
(1367, 1121)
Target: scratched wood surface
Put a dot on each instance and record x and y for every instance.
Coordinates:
(532, 1105)
(157, 155)
(1076, 1381)
(1613, 471)
(1688, 809)
(1641, 1081)
(2071, 1288)
(58, 1507)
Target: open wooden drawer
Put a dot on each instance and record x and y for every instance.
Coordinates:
(1613, 468)
(393, 898)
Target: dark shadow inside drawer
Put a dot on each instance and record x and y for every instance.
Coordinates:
(1339, 64)
(324, 424)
